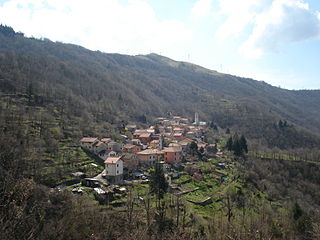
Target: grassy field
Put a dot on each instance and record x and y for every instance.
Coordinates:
(57, 167)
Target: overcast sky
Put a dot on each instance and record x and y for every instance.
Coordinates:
(277, 41)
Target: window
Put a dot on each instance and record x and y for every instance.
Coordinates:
(117, 171)
(117, 165)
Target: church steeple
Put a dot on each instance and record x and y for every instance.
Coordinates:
(196, 118)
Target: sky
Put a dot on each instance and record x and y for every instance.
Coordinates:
(276, 41)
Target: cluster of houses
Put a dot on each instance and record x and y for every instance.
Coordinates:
(166, 141)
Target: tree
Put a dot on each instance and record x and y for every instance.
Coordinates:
(213, 126)
(236, 147)
(193, 148)
(7, 31)
(201, 150)
(280, 123)
(29, 91)
(158, 184)
(296, 211)
(229, 144)
(243, 144)
(302, 222)
(156, 129)
(142, 118)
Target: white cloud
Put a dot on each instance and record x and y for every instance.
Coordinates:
(201, 8)
(238, 15)
(111, 26)
(268, 24)
(285, 22)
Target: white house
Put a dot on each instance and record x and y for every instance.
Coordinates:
(114, 169)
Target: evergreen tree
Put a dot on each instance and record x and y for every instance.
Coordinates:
(158, 184)
(280, 124)
(237, 145)
(201, 150)
(7, 31)
(29, 91)
(229, 144)
(237, 149)
(296, 211)
(142, 118)
(215, 127)
(243, 144)
(193, 148)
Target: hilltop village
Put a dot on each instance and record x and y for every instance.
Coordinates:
(168, 142)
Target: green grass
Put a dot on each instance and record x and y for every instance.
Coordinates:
(140, 189)
(57, 167)
(280, 156)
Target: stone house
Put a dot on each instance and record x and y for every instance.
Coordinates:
(87, 143)
(114, 170)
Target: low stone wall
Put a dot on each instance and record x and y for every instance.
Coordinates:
(202, 203)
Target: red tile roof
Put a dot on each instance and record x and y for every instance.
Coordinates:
(177, 134)
(100, 143)
(88, 140)
(174, 145)
(112, 160)
(145, 135)
(128, 146)
(148, 152)
(171, 149)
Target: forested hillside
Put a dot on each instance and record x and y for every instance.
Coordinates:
(52, 94)
(96, 87)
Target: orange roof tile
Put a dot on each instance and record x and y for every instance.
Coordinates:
(171, 149)
(148, 152)
(99, 144)
(105, 140)
(174, 145)
(145, 135)
(89, 139)
(112, 160)
(128, 146)
(177, 134)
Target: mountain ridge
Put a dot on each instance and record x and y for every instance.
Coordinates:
(117, 88)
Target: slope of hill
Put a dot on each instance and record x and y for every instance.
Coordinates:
(90, 89)
(52, 94)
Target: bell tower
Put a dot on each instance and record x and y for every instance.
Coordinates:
(196, 118)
